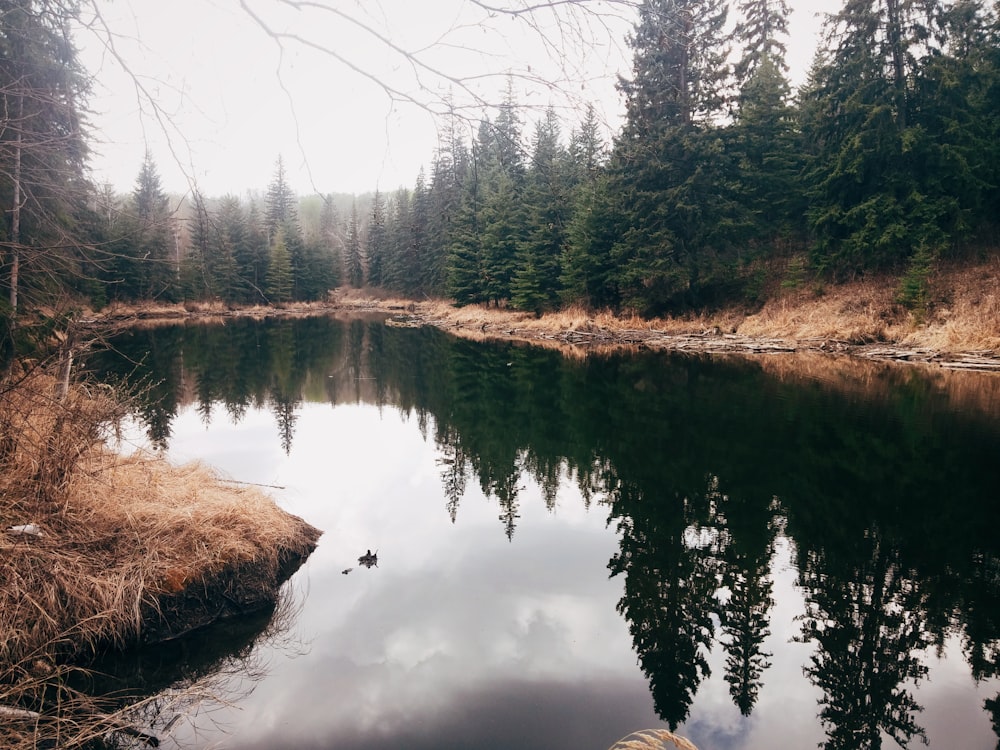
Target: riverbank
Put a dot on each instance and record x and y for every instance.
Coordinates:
(957, 328)
(101, 548)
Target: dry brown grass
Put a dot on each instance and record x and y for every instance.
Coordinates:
(120, 535)
(963, 315)
(861, 312)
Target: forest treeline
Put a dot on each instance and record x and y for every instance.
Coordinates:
(721, 180)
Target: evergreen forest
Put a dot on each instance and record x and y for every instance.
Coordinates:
(721, 181)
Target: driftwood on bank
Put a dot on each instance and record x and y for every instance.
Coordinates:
(713, 341)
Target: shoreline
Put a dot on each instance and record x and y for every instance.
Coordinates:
(949, 344)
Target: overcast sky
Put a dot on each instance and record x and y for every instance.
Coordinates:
(344, 109)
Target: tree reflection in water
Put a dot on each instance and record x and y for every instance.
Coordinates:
(866, 617)
(888, 496)
(670, 558)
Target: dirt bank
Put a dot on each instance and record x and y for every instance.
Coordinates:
(958, 327)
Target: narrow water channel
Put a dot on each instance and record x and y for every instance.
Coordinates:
(756, 553)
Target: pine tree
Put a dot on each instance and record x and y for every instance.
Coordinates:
(253, 261)
(279, 270)
(870, 205)
(43, 190)
(763, 134)
(354, 269)
(465, 274)
(465, 277)
(445, 197)
(197, 282)
(587, 150)
(398, 232)
(331, 241)
(670, 168)
(154, 263)
(281, 213)
(501, 174)
(589, 271)
(280, 203)
(239, 282)
(416, 256)
(586, 256)
(761, 30)
(377, 241)
(535, 283)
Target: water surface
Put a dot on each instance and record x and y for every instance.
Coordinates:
(751, 552)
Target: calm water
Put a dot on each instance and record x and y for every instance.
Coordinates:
(570, 550)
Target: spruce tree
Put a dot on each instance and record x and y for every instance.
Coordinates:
(535, 283)
(377, 241)
(761, 30)
(153, 263)
(196, 278)
(450, 167)
(870, 204)
(43, 189)
(670, 169)
(416, 259)
(465, 275)
(280, 203)
(331, 241)
(279, 271)
(763, 134)
(398, 241)
(501, 174)
(354, 269)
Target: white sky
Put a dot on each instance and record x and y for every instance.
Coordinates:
(231, 99)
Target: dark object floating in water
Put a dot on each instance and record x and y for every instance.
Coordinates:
(369, 559)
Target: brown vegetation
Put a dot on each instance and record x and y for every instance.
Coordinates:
(102, 549)
(958, 327)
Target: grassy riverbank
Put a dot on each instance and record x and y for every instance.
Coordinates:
(959, 317)
(958, 324)
(100, 548)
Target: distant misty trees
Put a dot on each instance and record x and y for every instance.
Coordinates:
(226, 250)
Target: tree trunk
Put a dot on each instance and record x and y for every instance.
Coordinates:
(894, 23)
(15, 217)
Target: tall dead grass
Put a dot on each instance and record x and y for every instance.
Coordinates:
(113, 542)
(962, 314)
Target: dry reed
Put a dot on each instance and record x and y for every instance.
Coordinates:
(652, 739)
(962, 315)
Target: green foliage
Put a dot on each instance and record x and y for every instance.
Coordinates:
(588, 266)
(795, 272)
(913, 287)
(279, 270)
(354, 270)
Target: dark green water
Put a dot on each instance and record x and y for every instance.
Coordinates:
(570, 550)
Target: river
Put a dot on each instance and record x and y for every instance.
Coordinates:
(782, 551)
